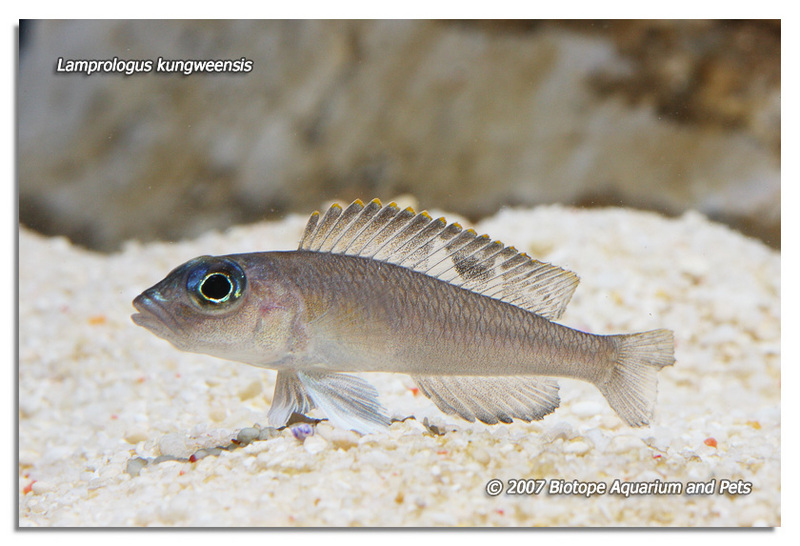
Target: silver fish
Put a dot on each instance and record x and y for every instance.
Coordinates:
(374, 288)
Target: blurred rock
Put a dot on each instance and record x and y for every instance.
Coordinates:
(465, 116)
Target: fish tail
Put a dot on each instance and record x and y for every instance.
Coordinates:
(631, 386)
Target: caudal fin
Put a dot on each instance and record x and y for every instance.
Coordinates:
(632, 385)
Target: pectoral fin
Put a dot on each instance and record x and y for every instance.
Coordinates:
(492, 399)
(348, 401)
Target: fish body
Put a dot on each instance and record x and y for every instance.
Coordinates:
(379, 289)
(359, 315)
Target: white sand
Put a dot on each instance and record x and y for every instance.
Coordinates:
(96, 391)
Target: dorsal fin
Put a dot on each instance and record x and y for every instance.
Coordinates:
(444, 251)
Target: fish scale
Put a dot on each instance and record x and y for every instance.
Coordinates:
(374, 288)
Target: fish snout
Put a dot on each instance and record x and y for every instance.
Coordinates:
(149, 304)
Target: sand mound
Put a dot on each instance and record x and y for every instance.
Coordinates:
(109, 413)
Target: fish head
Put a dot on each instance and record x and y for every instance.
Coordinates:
(231, 307)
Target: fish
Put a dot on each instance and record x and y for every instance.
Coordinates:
(377, 288)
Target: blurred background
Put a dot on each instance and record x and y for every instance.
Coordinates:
(464, 116)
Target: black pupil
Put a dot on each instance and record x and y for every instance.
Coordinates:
(216, 287)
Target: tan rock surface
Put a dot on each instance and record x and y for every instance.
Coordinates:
(467, 117)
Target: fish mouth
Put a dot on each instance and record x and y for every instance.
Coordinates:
(154, 316)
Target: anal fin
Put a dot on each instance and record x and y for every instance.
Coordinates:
(492, 399)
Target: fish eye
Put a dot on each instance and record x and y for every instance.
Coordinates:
(216, 283)
(216, 287)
